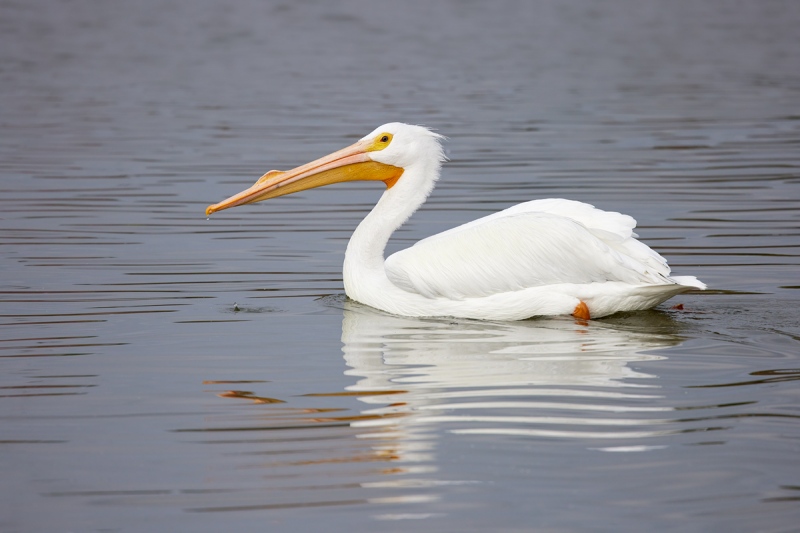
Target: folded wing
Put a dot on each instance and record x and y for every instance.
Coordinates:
(543, 242)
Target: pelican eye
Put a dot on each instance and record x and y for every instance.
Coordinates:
(381, 141)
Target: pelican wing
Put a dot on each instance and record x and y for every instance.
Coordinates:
(543, 242)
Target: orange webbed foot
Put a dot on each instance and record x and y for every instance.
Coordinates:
(581, 311)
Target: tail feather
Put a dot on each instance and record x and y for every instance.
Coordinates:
(689, 281)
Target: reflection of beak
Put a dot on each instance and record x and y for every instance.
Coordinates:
(348, 164)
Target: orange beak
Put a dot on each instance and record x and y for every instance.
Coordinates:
(348, 164)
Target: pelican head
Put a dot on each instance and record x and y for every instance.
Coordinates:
(383, 155)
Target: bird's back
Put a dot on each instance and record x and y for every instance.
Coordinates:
(537, 243)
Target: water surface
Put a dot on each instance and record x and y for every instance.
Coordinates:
(165, 372)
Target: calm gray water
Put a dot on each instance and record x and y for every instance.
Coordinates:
(164, 372)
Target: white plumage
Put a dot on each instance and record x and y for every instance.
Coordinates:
(544, 257)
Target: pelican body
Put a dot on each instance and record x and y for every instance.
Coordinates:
(538, 258)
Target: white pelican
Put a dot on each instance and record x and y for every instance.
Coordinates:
(544, 257)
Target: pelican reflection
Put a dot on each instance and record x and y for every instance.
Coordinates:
(543, 378)
(417, 384)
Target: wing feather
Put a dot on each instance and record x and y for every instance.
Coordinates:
(536, 243)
